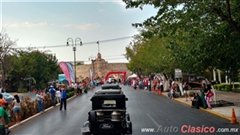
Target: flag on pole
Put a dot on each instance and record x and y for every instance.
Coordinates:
(98, 46)
(65, 70)
(70, 69)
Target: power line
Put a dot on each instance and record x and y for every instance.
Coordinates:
(84, 43)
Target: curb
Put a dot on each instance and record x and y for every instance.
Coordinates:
(209, 111)
(24, 121)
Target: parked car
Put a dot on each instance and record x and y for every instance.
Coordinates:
(8, 97)
(108, 115)
(194, 82)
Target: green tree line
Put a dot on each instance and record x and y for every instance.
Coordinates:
(193, 35)
(20, 66)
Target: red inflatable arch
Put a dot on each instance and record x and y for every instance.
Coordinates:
(123, 72)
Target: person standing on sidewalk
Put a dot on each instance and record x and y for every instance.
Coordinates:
(52, 92)
(202, 96)
(149, 84)
(4, 120)
(186, 91)
(209, 94)
(16, 108)
(58, 96)
(40, 101)
(63, 98)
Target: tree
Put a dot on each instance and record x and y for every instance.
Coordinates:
(184, 12)
(41, 66)
(149, 56)
(6, 47)
(199, 33)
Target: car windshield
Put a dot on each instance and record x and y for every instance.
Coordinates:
(108, 103)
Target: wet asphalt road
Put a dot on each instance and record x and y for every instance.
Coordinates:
(146, 109)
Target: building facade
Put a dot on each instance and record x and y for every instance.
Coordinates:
(100, 68)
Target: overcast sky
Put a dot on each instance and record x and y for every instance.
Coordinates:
(49, 23)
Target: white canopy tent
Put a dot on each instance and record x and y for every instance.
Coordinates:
(133, 76)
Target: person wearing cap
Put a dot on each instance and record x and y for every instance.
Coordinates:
(63, 98)
(2, 101)
(4, 119)
(53, 93)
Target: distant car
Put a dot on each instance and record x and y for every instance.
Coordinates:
(110, 86)
(111, 91)
(8, 97)
(195, 82)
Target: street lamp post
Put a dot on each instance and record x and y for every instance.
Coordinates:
(74, 50)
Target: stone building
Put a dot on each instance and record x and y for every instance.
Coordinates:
(100, 68)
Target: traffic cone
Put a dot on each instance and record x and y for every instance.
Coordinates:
(160, 92)
(234, 119)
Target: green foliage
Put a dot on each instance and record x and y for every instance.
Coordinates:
(199, 34)
(226, 87)
(236, 90)
(39, 66)
(70, 94)
(22, 90)
(149, 56)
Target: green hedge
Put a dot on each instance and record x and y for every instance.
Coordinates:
(236, 90)
(226, 87)
(70, 92)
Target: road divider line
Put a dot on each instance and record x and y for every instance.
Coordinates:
(153, 120)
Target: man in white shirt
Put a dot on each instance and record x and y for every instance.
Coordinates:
(109, 80)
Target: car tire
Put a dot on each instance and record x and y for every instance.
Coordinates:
(92, 116)
(127, 117)
(129, 126)
(87, 134)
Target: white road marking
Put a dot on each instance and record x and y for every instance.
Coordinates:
(153, 120)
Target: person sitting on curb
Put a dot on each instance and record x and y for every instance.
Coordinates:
(195, 100)
(172, 91)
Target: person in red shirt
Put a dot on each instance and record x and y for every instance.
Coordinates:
(146, 84)
(2, 101)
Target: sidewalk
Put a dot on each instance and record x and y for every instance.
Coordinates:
(224, 112)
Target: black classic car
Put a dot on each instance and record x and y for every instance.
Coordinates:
(108, 115)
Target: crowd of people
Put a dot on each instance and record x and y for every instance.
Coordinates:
(5, 113)
(60, 95)
(199, 99)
